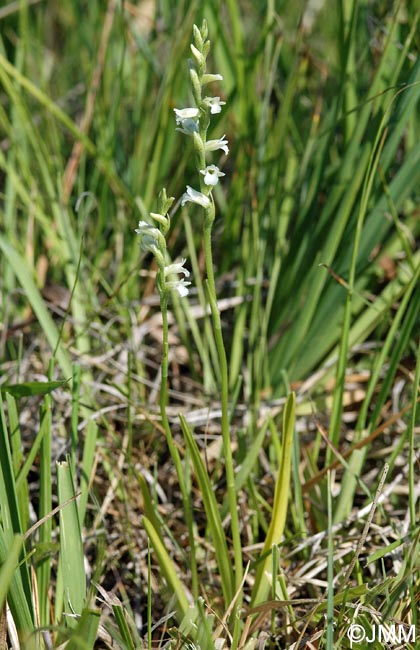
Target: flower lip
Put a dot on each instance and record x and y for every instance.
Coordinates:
(195, 197)
(211, 175)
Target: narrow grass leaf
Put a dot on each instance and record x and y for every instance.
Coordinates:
(394, 345)
(8, 567)
(17, 460)
(123, 627)
(71, 553)
(330, 568)
(213, 514)
(167, 567)
(25, 278)
(84, 636)
(88, 461)
(31, 388)
(43, 442)
(281, 496)
(9, 505)
(20, 608)
(250, 460)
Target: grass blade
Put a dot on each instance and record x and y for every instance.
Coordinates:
(20, 269)
(281, 496)
(71, 552)
(167, 568)
(213, 515)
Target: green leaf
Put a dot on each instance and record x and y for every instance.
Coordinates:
(281, 496)
(167, 567)
(212, 512)
(85, 633)
(9, 567)
(37, 303)
(71, 556)
(31, 388)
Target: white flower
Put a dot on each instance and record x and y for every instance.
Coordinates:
(185, 113)
(195, 197)
(151, 238)
(211, 174)
(213, 145)
(186, 119)
(177, 267)
(146, 230)
(188, 126)
(208, 78)
(215, 104)
(178, 284)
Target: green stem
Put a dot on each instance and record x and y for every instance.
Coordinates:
(163, 401)
(227, 450)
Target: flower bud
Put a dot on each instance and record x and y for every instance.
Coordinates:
(198, 38)
(196, 86)
(200, 59)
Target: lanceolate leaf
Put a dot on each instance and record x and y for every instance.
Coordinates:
(31, 388)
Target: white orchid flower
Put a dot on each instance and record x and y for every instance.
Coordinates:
(186, 119)
(185, 114)
(152, 239)
(178, 284)
(188, 126)
(145, 228)
(195, 197)
(208, 78)
(176, 268)
(211, 175)
(215, 104)
(213, 145)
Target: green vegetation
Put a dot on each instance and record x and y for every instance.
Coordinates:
(268, 492)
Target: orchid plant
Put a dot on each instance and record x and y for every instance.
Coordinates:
(170, 277)
(194, 122)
